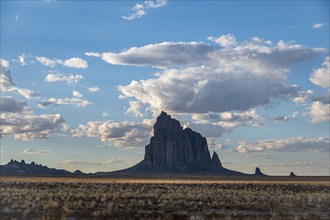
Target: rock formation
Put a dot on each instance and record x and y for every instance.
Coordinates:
(258, 172)
(173, 149)
(292, 174)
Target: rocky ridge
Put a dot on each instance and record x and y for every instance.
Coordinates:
(15, 168)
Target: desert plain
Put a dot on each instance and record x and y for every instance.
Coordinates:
(184, 197)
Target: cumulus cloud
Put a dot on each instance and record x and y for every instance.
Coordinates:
(135, 108)
(119, 134)
(162, 55)
(7, 85)
(12, 105)
(28, 126)
(318, 25)
(58, 77)
(285, 118)
(76, 94)
(74, 62)
(138, 10)
(31, 151)
(320, 112)
(203, 90)
(302, 96)
(78, 102)
(321, 76)
(224, 40)
(202, 78)
(320, 108)
(4, 63)
(294, 144)
(228, 120)
(93, 89)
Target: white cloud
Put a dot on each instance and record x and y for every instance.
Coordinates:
(78, 102)
(302, 96)
(203, 90)
(135, 108)
(74, 62)
(155, 4)
(93, 89)
(92, 54)
(119, 134)
(213, 144)
(76, 94)
(202, 78)
(162, 55)
(28, 126)
(227, 120)
(4, 63)
(318, 25)
(293, 144)
(138, 10)
(48, 62)
(320, 112)
(321, 76)
(31, 151)
(224, 40)
(320, 109)
(7, 85)
(21, 60)
(69, 78)
(26, 93)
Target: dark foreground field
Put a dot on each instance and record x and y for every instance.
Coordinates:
(105, 198)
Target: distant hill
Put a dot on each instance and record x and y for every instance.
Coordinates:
(15, 168)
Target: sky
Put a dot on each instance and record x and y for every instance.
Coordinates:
(82, 82)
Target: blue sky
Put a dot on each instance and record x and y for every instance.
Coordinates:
(83, 81)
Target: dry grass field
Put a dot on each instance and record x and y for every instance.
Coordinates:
(184, 198)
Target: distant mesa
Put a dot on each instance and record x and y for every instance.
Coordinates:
(174, 150)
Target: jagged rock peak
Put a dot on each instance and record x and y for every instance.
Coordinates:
(166, 123)
(258, 172)
(216, 161)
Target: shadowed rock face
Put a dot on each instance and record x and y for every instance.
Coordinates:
(172, 146)
(173, 149)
